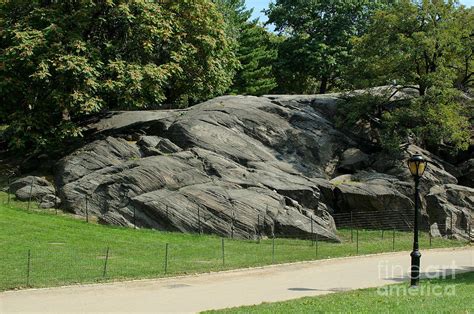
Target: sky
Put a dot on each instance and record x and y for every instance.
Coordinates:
(259, 5)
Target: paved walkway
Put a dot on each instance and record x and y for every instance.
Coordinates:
(235, 288)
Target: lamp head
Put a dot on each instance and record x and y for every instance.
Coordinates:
(417, 165)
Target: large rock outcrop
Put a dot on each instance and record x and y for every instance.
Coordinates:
(238, 166)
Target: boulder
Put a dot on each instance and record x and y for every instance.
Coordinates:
(451, 207)
(27, 182)
(396, 166)
(201, 190)
(353, 159)
(371, 191)
(30, 186)
(50, 201)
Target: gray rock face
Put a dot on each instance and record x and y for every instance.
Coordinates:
(230, 166)
(353, 159)
(451, 207)
(237, 166)
(367, 191)
(435, 173)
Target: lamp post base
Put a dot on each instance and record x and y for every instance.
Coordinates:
(415, 267)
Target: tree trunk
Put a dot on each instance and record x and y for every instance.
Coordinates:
(422, 89)
(324, 85)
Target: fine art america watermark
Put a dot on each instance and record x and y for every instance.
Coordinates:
(426, 288)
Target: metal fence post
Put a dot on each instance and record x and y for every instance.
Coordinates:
(199, 220)
(223, 252)
(31, 192)
(258, 229)
(273, 249)
(393, 240)
(28, 269)
(352, 229)
(429, 234)
(317, 245)
(232, 226)
(134, 217)
(452, 230)
(87, 208)
(9, 190)
(357, 241)
(312, 232)
(166, 258)
(55, 203)
(469, 231)
(105, 263)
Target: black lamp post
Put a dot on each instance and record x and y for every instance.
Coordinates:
(417, 165)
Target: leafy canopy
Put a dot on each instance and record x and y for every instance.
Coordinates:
(64, 60)
(256, 54)
(422, 43)
(317, 45)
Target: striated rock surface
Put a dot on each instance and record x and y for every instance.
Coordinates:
(451, 207)
(239, 166)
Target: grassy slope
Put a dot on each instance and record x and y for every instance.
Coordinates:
(451, 295)
(65, 250)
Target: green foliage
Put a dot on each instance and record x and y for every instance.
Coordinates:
(464, 63)
(426, 45)
(235, 15)
(256, 55)
(415, 42)
(252, 47)
(317, 45)
(62, 61)
(433, 120)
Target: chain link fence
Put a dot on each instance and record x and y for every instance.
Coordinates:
(39, 264)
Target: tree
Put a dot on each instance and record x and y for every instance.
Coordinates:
(64, 60)
(256, 55)
(252, 47)
(235, 14)
(433, 121)
(422, 45)
(464, 64)
(415, 43)
(318, 37)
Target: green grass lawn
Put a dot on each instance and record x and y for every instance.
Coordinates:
(450, 295)
(66, 250)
